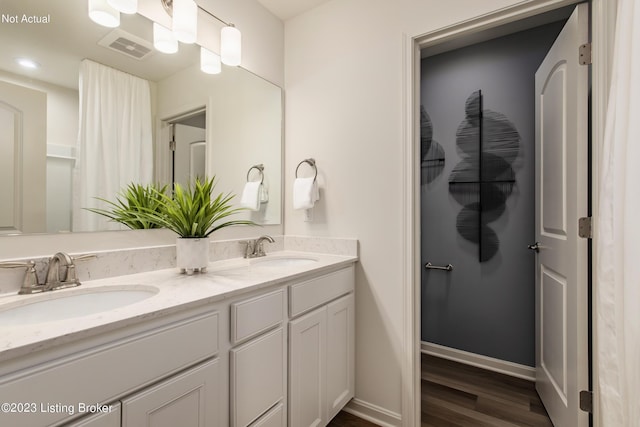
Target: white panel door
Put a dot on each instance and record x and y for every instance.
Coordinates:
(23, 150)
(561, 198)
(307, 367)
(340, 354)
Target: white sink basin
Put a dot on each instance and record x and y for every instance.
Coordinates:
(283, 261)
(53, 306)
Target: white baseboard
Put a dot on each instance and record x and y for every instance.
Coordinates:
(373, 413)
(484, 362)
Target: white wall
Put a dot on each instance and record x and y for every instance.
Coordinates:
(344, 107)
(62, 132)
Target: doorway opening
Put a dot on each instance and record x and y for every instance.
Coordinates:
(478, 216)
(187, 146)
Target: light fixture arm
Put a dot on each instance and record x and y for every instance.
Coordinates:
(168, 7)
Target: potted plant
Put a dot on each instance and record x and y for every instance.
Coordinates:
(132, 201)
(193, 213)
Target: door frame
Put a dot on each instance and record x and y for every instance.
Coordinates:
(603, 17)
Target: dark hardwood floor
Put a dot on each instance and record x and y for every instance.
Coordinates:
(458, 395)
(454, 394)
(344, 419)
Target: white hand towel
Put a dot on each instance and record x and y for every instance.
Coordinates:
(251, 196)
(305, 193)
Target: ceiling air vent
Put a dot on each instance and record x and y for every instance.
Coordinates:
(127, 44)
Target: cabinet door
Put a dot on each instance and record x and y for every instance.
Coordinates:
(340, 354)
(111, 418)
(274, 418)
(307, 366)
(189, 399)
(258, 370)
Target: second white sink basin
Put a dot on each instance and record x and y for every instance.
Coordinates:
(283, 261)
(52, 306)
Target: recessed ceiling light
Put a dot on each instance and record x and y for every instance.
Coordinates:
(28, 63)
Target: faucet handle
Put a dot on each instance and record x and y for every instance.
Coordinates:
(30, 282)
(248, 249)
(83, 257)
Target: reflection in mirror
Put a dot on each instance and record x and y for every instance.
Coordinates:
(240, 114)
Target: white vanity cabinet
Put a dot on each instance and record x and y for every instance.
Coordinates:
(258, 364)
(275, 356)
(321, 348)
(106, 368)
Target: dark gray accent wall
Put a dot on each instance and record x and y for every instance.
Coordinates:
(485, 308)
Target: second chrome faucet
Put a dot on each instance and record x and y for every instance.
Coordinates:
(255, 248)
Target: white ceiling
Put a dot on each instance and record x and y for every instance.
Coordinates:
(285, 9)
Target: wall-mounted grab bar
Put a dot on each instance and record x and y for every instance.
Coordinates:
(430, 266)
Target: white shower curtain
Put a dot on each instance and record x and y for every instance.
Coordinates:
(618, 233)
(114, 140)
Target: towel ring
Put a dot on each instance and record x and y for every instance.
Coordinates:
(260, 168)
(310, 162)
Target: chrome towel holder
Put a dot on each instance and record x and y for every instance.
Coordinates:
(260, 168)
(430, 266)
(311, 162)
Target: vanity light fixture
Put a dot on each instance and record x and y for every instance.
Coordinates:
(163, 39)
(185, 20)
(101, 12)
(231, 45)
(125, 6)
(210, 61)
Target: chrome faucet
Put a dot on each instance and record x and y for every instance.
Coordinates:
(61, 273)
(255, 248)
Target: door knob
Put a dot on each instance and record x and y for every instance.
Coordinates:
(535, 247)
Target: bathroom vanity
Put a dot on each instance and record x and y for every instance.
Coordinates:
(266, 342)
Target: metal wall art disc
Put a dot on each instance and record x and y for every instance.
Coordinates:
(483, 180)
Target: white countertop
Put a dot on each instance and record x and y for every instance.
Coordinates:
(176, 292)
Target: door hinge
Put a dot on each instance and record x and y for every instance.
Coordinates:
(586, 401)
(172, 145)
(584, 227)
(584, 54)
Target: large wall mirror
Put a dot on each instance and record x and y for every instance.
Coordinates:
(222, 125)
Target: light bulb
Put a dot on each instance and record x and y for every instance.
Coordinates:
(103, 14)
(231, 45)
(163, 39)
(185, 20)
(209, 62)
(28, 63)
(124, 6)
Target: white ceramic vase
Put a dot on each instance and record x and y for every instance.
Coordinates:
(192, 254)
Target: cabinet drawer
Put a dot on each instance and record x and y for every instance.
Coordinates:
(274, 418)
(251, 317)
(316, 292)
(108, 371)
